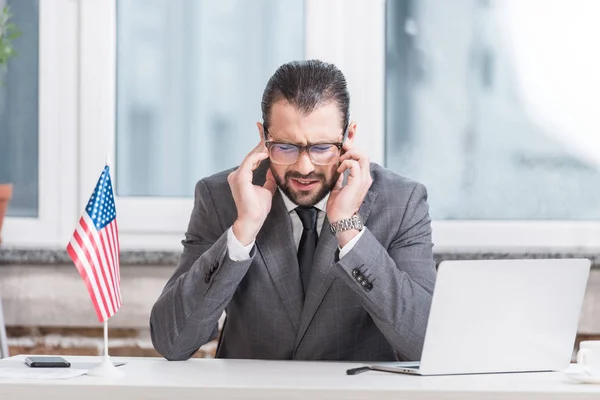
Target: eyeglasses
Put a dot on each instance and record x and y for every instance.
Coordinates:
(287, 153)
(319, 153)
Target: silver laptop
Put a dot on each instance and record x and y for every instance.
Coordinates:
(501, 316)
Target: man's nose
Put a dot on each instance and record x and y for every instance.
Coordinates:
(304, 164)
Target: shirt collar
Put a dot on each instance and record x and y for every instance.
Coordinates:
(290, 205)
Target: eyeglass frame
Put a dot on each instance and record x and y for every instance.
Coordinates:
(302, 149)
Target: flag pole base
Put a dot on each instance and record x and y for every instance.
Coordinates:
(106, 369)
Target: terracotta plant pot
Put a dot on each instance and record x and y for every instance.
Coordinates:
(5, 195)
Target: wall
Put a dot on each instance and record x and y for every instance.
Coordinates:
(48, 311)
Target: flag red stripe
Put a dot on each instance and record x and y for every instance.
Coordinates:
(115, 267)
(111, 244)
(97, 293)
(84, 267)
(83, 274)
(115, 229)
(118, 248)
(91, 275)
(102, 267)
(109, 267)
(115, 236)
(86, 252)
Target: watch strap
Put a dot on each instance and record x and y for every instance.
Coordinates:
(354, 222)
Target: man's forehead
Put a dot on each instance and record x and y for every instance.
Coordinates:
(286, 119)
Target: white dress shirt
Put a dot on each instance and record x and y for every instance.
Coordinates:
(239, 252)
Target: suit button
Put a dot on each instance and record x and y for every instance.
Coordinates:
(369, 286)
(355, 272)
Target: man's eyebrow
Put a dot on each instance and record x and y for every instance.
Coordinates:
(308, 144)
(326, 141)
(281, 141)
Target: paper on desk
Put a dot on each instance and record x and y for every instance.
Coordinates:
(38, 373)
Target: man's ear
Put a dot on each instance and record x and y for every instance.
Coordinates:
(261, 131)
(351, 132)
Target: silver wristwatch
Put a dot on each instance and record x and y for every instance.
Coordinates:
(354, 222)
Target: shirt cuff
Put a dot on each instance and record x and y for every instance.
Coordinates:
(350, 245)
(236, 250)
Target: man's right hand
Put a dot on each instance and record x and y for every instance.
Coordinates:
(253, 202)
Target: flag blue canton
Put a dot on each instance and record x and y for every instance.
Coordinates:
(101, 207)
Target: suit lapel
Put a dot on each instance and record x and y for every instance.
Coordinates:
(275, 242)
(322, 275)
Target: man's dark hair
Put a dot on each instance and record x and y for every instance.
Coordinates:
(307, 85)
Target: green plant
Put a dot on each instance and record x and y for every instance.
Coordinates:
(8, 32)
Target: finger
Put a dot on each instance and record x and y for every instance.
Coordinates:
(353, 166)
(367, 180)
(260, 148)
(339, 182)
(355, 155)
(347, 155)
(349, 150)
(349, 164)
(363, 160)
(252, 162)
(347, 146)
(270, 183)
(365, 168)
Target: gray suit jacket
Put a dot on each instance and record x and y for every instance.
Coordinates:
(340, 319)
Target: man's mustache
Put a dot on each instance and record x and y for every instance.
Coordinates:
(311, 176)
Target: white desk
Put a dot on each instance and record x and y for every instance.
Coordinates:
(153, 378)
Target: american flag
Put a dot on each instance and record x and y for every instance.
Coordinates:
(94, 248)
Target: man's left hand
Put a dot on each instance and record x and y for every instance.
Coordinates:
(344, 201)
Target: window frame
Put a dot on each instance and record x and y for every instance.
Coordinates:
(170, 216)
(98, 135)
(77, 132)
(57, 141)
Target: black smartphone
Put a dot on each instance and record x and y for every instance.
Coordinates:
(47, 362)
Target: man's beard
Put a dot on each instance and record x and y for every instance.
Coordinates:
(300, 197)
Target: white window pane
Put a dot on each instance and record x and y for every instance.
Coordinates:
(190, 80)
(492, 104)
(19, 112)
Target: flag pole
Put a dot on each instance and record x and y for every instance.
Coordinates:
(106, 368)
(106, 357)
(106, 338)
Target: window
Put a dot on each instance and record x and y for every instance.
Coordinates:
(38, 125)
(19, 113)
(452, 96)
(185, 95)
(488, 106)
(190, 76)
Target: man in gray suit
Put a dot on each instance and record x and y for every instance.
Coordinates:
(313, 252)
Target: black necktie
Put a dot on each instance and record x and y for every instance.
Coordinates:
(308, 242)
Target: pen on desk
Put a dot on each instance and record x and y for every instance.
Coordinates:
(354, 371)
